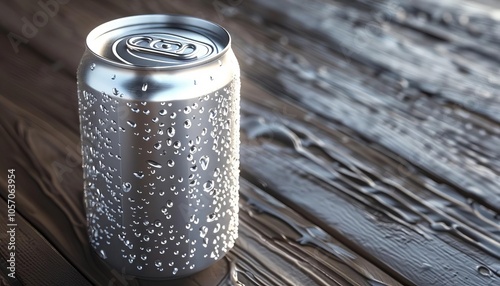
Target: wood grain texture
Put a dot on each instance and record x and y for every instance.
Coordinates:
(370, 134)
(35, 257)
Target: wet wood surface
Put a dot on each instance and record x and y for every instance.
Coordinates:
(370, 141)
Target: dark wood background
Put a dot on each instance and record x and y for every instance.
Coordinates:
(370, 141)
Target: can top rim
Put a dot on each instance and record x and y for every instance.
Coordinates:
(158, 41)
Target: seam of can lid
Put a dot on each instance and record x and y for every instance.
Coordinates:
(150, 19)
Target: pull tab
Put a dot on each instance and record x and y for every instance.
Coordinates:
(155, 49)
(171, 47)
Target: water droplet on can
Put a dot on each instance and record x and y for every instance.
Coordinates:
(154, 164)
(211, 217)
(208, 186)
(139, 174)
(203, 231)
(131, 123)
(102, 254)
(170, 163)
(157, 146)
(204, 161)
(171, 131)
(126, 187)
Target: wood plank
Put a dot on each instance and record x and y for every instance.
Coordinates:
(36, 261)
(415, 215)
(374, 110)
(314, 252)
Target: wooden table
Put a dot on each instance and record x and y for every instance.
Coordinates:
(370, 141)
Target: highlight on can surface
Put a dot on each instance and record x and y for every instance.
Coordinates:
(159, 116)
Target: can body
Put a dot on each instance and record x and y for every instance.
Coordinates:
(160, 146)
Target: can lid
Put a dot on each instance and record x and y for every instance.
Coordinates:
(158, 41)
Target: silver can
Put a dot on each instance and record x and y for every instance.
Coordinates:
(159, 116)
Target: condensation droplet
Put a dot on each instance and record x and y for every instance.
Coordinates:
(216, 172)
(175, 271)
(187, 123)
(145, 87)
(92, 67)
(115, 91)
(157, 146)
(154, 164)
(126, 187)
(139, 174)
(131, 123)
(203, 231)
(170, 163)
(211, 217)
(157, 263)
(162, 112)
(171, 131)
(177, 144)
(212, 114)
(170, 203)
(204, 161)
(217, 228)
(102, 254)
(208, 186)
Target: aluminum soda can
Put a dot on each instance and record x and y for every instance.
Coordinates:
(159, 101)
